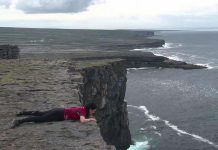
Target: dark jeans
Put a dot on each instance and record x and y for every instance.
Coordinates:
(56, 114)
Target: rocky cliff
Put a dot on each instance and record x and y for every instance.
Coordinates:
(105, 85)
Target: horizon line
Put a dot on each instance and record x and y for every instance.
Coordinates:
(125, 29)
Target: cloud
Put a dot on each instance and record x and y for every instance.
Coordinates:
(47, 6)
(157, 7)
(109, 14)
(5, 3)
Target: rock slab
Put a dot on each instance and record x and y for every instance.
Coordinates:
(9, 52)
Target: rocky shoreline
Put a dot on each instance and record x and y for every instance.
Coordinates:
(36, 83)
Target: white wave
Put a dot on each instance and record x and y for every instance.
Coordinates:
(146, 112)
(158, 133)
(197, 137)
(158, 54)
(154, 127)
(171, 45)
(174, 57)
(206, 65)
(36, 41)
(149, 128)
(140, 146)
(174, 127)
(168, 45)
(179, 55)
(142, 68)
(139, 49)
(164, 47)
(193, 59)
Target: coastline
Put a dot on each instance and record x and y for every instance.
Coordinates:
(39, 82)
(45, 84)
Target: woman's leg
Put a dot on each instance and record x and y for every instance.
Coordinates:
(52, 115)
(30, 113)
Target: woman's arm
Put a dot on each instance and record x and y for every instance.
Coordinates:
(84, 120)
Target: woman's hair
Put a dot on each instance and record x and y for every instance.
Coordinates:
(89, 106)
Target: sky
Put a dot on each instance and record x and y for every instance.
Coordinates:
(109, 14)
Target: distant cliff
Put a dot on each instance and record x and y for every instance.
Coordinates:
(140, 59)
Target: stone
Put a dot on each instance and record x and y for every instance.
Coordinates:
(9, 52)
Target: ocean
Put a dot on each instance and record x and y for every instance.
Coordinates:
(169, 109)
(175, 109)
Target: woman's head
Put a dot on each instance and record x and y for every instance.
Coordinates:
(90, 108)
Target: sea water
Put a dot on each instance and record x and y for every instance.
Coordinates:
(175, 109)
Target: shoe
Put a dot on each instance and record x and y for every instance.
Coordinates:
(15, 123)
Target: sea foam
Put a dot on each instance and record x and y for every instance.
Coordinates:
(206, 65)
(140, 146)
(172, 126)
(179, 56)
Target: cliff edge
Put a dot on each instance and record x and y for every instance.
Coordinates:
(104, 83)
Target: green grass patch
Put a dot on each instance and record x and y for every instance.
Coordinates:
(7, 78)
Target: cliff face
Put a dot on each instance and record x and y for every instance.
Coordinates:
(106, 85)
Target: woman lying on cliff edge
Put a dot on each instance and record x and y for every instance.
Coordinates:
(84, 114)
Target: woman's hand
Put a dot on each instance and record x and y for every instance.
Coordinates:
(83, 119)
(92, 119)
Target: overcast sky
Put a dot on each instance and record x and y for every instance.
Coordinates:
(110, 14)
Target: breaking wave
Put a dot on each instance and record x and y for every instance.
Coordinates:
(170, 51)
(172, 126)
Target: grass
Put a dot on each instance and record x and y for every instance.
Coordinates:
(7, 78)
